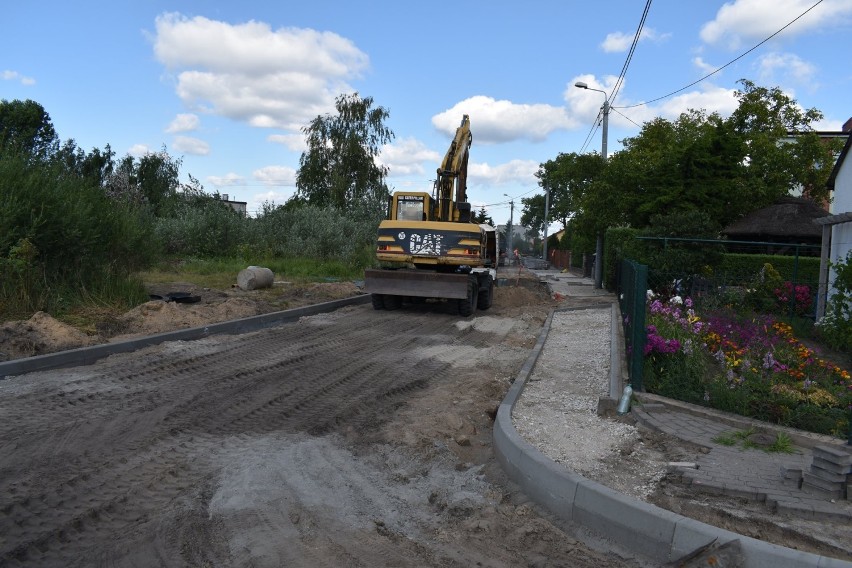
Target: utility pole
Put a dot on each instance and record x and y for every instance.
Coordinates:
(509, 228)
(605, 123)
(599, 244)
(546, 207)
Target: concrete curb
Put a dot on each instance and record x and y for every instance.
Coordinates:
(654, 532)
(88, 355)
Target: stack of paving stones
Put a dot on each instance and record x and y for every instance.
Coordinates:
(772, 478)
(830, 474)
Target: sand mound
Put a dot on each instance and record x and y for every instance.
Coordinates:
(158, 316)
(39, 335)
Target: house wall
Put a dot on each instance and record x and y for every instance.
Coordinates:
(841, 233)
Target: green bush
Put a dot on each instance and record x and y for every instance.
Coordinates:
(62, 238)
(203, 227)
(739, 266)
(835, 327)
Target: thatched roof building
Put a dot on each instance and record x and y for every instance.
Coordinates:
(789, 220)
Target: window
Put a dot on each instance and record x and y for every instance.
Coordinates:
(409, 208)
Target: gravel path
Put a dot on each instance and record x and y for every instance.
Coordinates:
(557, 412)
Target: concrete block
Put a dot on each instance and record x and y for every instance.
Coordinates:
(835, 454)
(607, 407)
(820, 492)
(690, 535)
(799, 510)
(813, 480)
(828, 476)
(634, 524)
(549, 483)
(760, 554)
(828, 465)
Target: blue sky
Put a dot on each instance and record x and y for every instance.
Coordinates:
(226, 86)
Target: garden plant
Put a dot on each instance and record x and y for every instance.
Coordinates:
(736, 359)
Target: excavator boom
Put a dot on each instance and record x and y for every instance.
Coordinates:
(452, 175)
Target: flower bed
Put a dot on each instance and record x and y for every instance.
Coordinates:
(751, 365)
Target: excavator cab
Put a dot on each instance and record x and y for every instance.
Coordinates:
(410, 206)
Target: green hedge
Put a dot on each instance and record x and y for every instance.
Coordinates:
(621, 243)
(740, 263)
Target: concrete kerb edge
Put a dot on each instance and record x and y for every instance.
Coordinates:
(660, 535)
(799, 437)
(88, 355)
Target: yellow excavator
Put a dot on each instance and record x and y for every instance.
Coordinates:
(429, 246)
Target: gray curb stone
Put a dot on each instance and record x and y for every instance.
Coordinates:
(88, 355)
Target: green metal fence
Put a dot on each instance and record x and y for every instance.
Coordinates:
(791, 281)
(632, 290)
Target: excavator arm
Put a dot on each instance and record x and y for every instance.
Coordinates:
(451, 185)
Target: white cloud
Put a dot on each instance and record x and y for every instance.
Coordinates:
(275, 175)
(139, 150)
(191, 146)
(184, 123)
(293, 142)
(587, 107)
(745, 21)
(785, 67)
(258, 200)
(251, 73)
(15, 76)
(515, 171)
(710, 98)
(702, 65)
(585, 104)
(494, 121)
(620, 41)
(228, 180)
(407, 157)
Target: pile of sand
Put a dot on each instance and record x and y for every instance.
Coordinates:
(39, 335)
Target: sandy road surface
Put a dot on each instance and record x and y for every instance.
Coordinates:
(358, 438)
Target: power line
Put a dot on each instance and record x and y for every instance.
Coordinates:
(790, 23)
(630, 53)
(512, 199)
(592, 132)
(620, 81)
(625, 116)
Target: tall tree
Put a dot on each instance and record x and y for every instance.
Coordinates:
(568, 178)
(482, 217)
(26, 129)
(339, 167)
(532, 214)
(152, 179)
(784, 150)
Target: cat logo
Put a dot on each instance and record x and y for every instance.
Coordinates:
(428, 244)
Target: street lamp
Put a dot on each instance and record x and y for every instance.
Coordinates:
(582, 85)
(605, 122)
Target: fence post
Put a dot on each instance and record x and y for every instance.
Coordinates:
(637, 331)
(632, 289)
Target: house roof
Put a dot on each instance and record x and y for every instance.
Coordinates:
(836, 170)
(788, 217)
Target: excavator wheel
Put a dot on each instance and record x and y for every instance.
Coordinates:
(468, 305)
(486, 296)
(378, 301)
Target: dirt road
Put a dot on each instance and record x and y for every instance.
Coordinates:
(357, 438)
